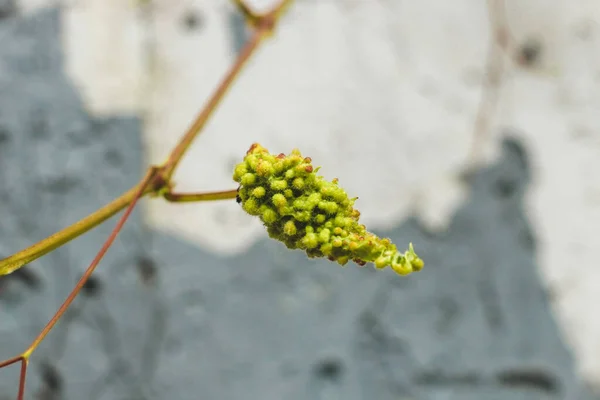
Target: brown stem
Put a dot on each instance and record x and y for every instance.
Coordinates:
(22, 376)
(88, 272)
(200, 121)
(494, 72)
(250, 16)
(10, 361)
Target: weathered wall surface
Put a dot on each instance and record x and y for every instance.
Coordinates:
(91, 92)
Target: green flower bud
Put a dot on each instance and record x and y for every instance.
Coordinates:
(248, 179)
(240, 170)
(289, 228)
(343, 260)
(326, 249)
(380, 262)
(303, 216)
(279, 185)
(310, 241)
(299, 204)
(298, 183)
(329, 207)
(269, 215)
(278, 167)
(250, 206)
(264, 168)
(324, 235)
(401, 266)
(279, 200)
(259, 192)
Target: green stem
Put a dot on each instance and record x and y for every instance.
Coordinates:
(56, 240)
(193, 197)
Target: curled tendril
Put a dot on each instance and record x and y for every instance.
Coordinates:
(304, 211)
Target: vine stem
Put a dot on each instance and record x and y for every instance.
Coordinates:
(495, 69)
(58, 239)
(193, 197)
(177, 154)
(88, 272)
(157, 182)
(264, 27)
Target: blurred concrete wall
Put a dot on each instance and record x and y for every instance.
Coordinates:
(385, 95)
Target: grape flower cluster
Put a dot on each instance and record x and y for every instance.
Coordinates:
(304, 211)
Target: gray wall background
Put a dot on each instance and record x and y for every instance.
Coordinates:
(163, 319)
